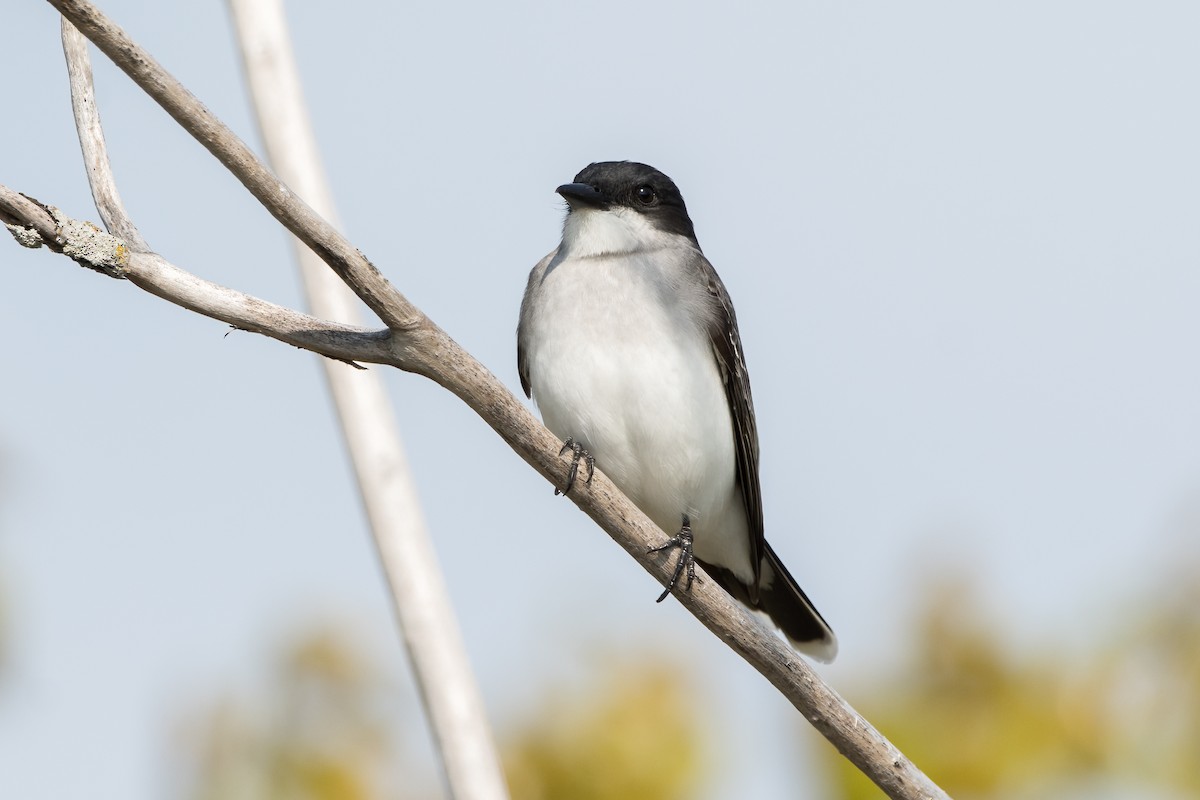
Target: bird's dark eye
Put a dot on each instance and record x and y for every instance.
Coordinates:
(646, 195)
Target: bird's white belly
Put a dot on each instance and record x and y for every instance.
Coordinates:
(634, 381)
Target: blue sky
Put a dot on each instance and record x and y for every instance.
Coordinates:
(962, 241)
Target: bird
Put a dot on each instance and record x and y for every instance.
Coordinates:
(629, 347)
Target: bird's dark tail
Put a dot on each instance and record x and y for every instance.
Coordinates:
(782, 599)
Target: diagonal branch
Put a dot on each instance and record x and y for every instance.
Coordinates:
(440, 358)
(417, 345)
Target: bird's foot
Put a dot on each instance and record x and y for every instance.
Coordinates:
(682, 540)
(578, 454)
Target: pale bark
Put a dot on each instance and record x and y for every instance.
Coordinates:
(91, 141)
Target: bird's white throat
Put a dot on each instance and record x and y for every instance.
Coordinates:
(593, 232)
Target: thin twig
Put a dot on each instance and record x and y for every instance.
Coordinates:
(420, 346)
(91, 140)
(453, 703)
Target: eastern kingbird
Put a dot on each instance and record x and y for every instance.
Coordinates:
(630, 347)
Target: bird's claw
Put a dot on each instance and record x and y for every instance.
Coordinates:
(578, 453)
(682, 540)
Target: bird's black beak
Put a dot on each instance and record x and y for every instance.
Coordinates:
(582, 195)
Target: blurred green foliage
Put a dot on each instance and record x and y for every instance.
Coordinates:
(321, 733)
(631, 736)
(980, 721)
(983, 724)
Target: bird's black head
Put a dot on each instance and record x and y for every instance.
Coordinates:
(635, 186)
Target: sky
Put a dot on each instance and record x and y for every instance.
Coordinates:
(961, 239)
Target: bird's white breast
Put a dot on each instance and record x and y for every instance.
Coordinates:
(619, 359)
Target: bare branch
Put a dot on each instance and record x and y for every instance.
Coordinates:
(95, 249)
(91, 140)
(359, 274)
(431, 634)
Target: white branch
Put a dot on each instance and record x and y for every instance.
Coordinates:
(415, 344)
(452, 699)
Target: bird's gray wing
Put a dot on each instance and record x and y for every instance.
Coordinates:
(528, 309)
(522, 363)
(727, 348)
